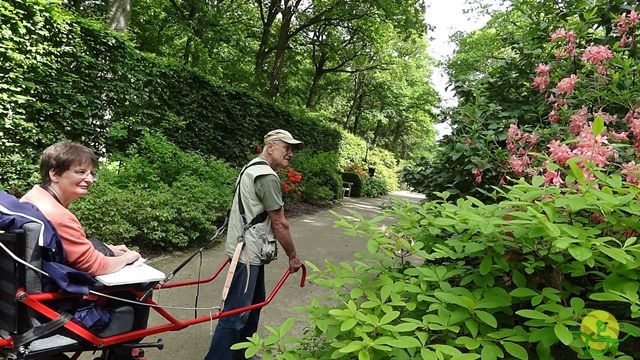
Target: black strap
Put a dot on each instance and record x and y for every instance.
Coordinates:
(258, 218)
(42, 330)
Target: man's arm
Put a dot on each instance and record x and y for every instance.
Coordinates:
(280, 227)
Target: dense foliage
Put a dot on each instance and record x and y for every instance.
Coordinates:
(361, 65)
(68, 78)
(467, 280)
(157, 197)
(495, 74)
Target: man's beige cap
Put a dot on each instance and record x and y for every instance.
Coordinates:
(283, 135)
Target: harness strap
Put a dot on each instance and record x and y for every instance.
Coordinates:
(240, 246)
(42, 330)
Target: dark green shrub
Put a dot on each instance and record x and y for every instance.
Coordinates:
(321, 182)
(356, 180)
(515, 278)
(158, 196)
(374, 187)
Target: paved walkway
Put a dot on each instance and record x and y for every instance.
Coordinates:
(316, 239)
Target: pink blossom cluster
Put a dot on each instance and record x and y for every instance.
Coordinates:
(477, 174)
(633, 121)
(519, 144)
(596, 55)
(566, 85)
(588, 148)
(624, 24)
(541, 81)
(519, 141)
(631, 171)
(569, 38)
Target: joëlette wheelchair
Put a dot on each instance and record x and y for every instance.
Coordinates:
(31, 327)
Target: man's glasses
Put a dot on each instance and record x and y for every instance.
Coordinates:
(286, 147)
(84, 174)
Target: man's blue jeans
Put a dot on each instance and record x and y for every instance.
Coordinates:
(236, 328)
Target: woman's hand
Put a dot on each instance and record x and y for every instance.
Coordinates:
(119, 250)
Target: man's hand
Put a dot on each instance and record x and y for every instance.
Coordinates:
(294, 264)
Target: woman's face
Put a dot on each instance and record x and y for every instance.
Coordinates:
(74, 182)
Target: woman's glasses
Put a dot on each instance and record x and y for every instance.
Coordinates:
(84, 174)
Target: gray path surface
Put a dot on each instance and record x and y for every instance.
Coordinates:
(316, 239)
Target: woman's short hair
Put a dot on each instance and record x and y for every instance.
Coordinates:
(60, 156)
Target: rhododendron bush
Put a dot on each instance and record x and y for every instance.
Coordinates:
(593, 124)
(514, 277)
(552, 69)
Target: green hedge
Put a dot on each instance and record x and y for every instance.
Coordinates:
(321, 182)
(71, 78)
(157, 196)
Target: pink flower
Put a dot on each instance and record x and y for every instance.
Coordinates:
(543, 69)
(552, 178)
(622, 136)
(541, 82)
(554, 117)
(519, 164)
(631, 171)
(596, 54)
(633, 118)
(608, 118)
(566, 85)
(559, 153)
(593, 148)
(561, 102)
(578, 121)
(477, 174)
(558, 34)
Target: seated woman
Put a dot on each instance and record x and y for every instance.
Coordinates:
(67, 172)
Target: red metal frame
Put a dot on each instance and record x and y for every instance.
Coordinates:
(37, 303)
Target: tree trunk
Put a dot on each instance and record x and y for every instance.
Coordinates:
(263, 49)
(188, 46)
(281, 47)
(119, 14)
(357, 89)
(315, 83)
(397, 131)
(313, 90)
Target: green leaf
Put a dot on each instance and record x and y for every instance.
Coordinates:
(532, 314)
(616, 254)
(580, 253)
(469, 356)
(563, 334)
(598, 125)
(577, 304)
(516, 350)
(351, 347)
(522, 292)
(405, 342)
(485, 264)
(348, 324)
(607, 297)
(486, 318)
(372, 246)
(364, 355)
(389, 317)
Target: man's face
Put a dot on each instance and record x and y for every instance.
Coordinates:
(281, 154)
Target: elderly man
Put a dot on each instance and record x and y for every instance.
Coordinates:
(256, 222)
